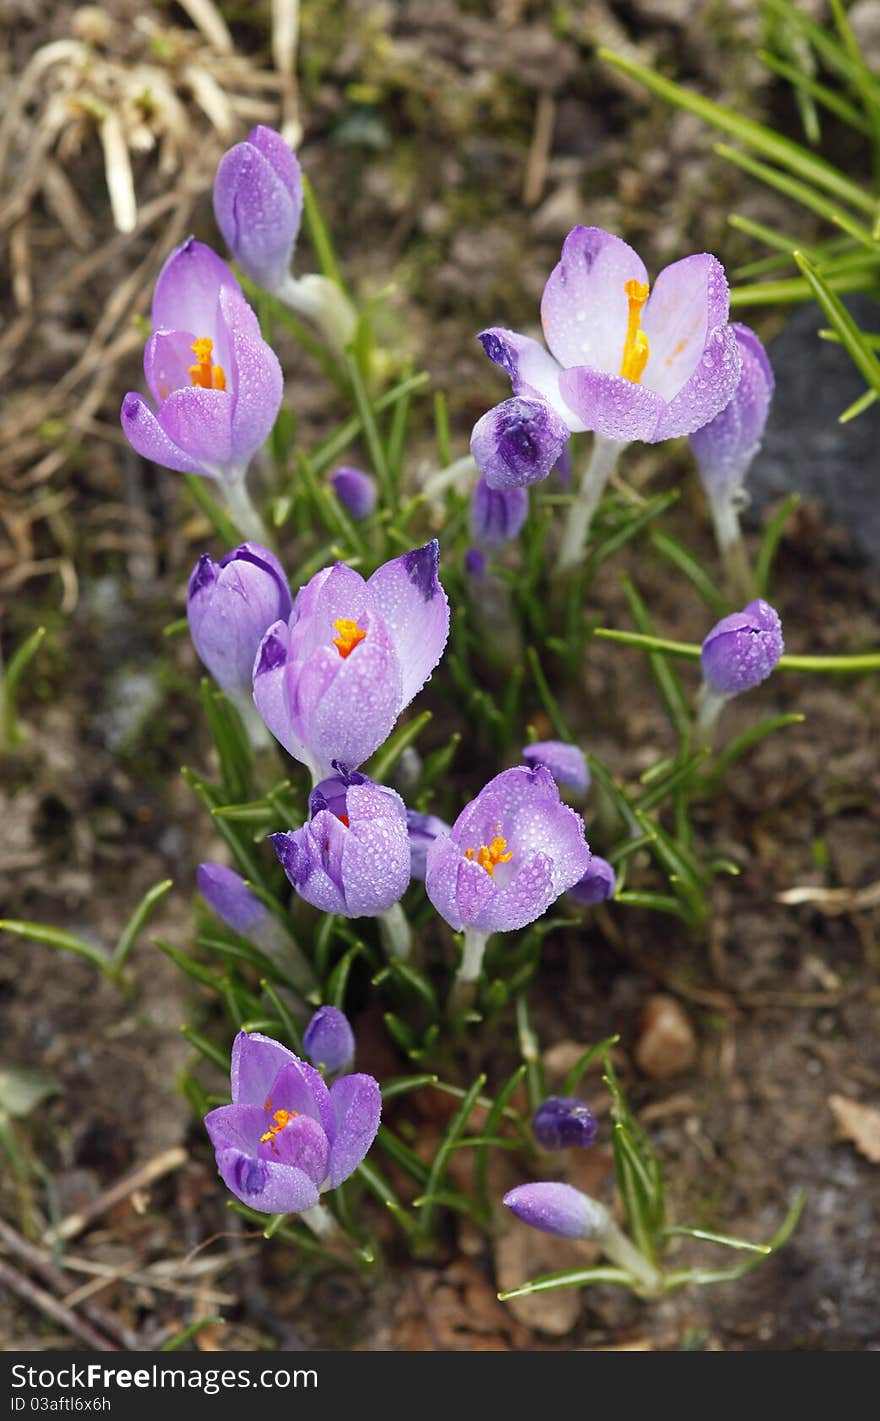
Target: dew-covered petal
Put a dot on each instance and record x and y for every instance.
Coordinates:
(311, 858)
(357, 1107)
(257, 387)
(270, 688)
(375, 851)
(518, 442)
(532, 370)
(567, 763)
(256, 1061)
(459, 888)
(226, 892)
(147, 437)
(257, 211)
(584, 309)
(263, 1185)
(200, 422)
(188, 288)
(410, 599)
(557, 1209)
(302, 1144)
(687, 301)
(236, 1126)
(612, 406)
(742, 650)
(343, 708)
(708, 390)
(497, 514)
(727, 445)
(168, 356)
(598, 883)
(524, 897)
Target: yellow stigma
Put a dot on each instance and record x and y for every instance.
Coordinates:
(280, 1118)
(350, 634)
(203, 373)
(635, 348)
(488, 857)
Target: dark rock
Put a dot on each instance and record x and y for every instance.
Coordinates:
(805, 449)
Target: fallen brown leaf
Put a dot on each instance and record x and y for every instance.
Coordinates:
(858, 1123)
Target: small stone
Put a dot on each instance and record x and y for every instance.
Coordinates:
(666, 1044)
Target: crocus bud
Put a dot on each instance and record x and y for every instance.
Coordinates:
(497, 514)
(355, 490)
(231, 899)
(566, 763)
(258, 201)
(558, 1209)
(598, 883)
(518, 442)
(741, 650)
(561, 1121)
(475, 563)
(423, 830)
(727, 445)
(230, 606)
(328, 1040)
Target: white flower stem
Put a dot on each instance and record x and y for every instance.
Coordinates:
(734, 554)
(622, 1251)
(456, 475)
(709, 707)
(395, 932)
(464, 988)
(257, 734)
(605, 454)
(238, 502)
(321, 1222)
(325, 304)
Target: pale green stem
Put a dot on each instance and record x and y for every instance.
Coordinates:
(238, 501)
(257, 734)
(321, 1222)
(621, 1250)
(605, 454)
(457, 474)
(395, 932)
(464, 988)
(710, 704)
(270, 937)
(734, 555)
(323, 303)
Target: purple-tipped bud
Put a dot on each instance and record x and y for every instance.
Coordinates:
(230, 606)
(423, 830)
(566, 763)
(557, 1209)
(727, 445)
(231, 899)
(497, 514)
(355, 490)
(518, 442)
(598, 883)
(742, 649)
(562, 1121)
(328, 1040)
(258, 200)
(563, 466)
(475, 563)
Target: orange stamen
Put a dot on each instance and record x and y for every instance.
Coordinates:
(350, 634)
(636, 348)
(203, 373)
(487, 856)
(281, 1118)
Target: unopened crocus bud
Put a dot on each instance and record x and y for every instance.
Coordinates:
(561, 1121)
(497, 514)
(423, 830)
(355, 490)
(518, 442)
(230, 606)
(558, 1209)
(258, 199)
(328, 1040)
(726, 447)
(566, 763)
(475, 563)
(741, 650)
(241, 910)
(597, 885)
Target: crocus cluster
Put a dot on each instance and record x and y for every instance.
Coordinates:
(286, 1137)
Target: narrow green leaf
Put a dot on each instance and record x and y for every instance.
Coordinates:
(569, 1278)
(384, 760)
(805, 84)
(404, 1157)
(207, 1048)
(18, 663)
(454, 1130)
(851, 337)
(372, 437)
(582, 1064)
(337, 982)
(682, 558)
(667, 682)
(747, 741)
(150, 901)
(180, 1339)
(656, 902)
(402, 1085)
(770, 542)
(319, 234)
(799, 192)
(377, 1183)
(334, 446)
(57, 937)
(493, 1123)
(216, 515)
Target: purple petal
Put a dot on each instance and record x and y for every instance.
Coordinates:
(688, 300)
(256, 210)
(612, 406)
(518, 442)
(334, 592)
(311, 858)
(375, 853)
(265, 1186)
(459, 889)
(497, 515)
(343, 708)
(228, 615)
(357, 1107)
(741, 650)
(557, 1209)
(236, 1127)
(200, 422)
(282, 158)
(301, 1144)
(328, 1040)
(597, 885)
(709, 389)
(727, 445)
(562, 1121)
(256, 1061)
(188, 288)
(271, 690)
(584, 310)
(526, 895)
(533, 371)
(167, 358)
(355, 490)
(423, 830)
(566, 763)
(413, 605)
(229, 896)
(257, 386)
(147, 437)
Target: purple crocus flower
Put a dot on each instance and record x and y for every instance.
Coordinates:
(727, 445)
(561, 1121)
(331, 683)
(230, 605)
(475, 563)
(518, 442)
(353, 855)
(557, 1209)
(328, 1040)
(258, 200)
(510, 854)
(566, 763)
(625, 361)
(355, 490)
(598, 883)
(741, 650)
(216, 383)
(423, 830)
(286, 1137)
(497, 515)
